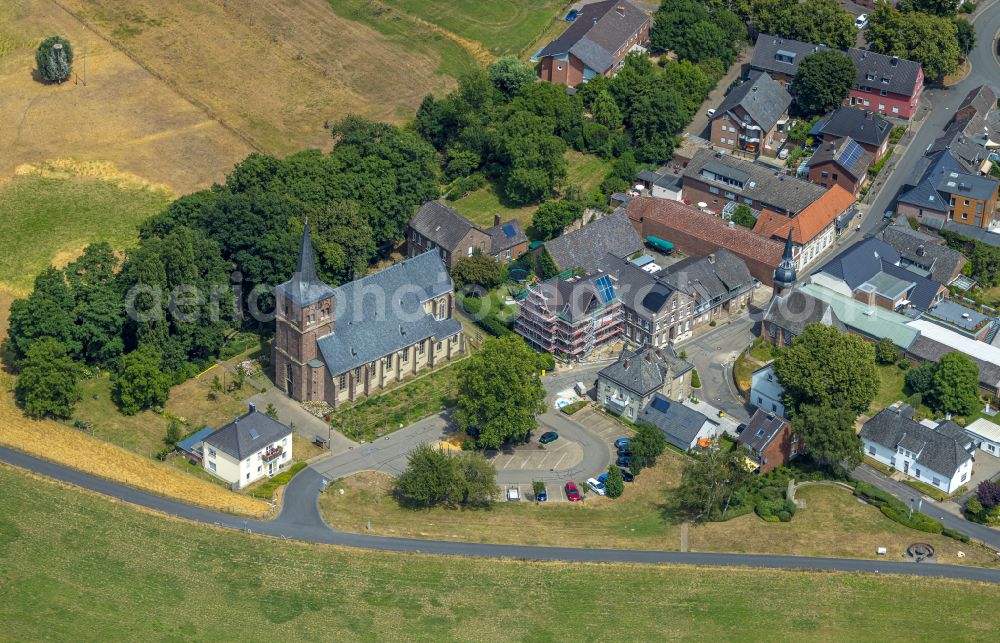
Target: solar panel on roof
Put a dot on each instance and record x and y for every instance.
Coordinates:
(660, 404)
(605, 290)
(850, 154)
(508, 230)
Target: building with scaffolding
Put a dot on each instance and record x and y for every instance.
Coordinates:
(570, 316)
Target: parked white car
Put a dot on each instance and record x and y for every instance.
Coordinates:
(861, 21)
(513, 495)
(596, 486)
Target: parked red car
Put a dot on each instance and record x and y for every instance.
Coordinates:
(572, 493)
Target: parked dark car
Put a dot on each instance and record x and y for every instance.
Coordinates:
(624, 451)
(547, 437)
(542, 495)
(627, 475)
(624, 461)
(621, 443)
(572, 493)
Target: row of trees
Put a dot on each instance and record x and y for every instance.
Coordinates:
(926, 31)
(698, 31)
(435, 477)
(950, 385)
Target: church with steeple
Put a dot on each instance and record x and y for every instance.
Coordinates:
(337, 345)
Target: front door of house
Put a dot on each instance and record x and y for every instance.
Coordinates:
(270, 469)
(906, 466)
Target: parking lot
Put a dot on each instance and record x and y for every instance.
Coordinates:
(606, 428)
(558, 455)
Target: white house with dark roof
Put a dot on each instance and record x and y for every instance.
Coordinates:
(940, 456)
(627, 385)
(251, 447)
(766, 392)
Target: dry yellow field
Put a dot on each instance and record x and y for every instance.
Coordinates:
(275, 70)
(124, 117)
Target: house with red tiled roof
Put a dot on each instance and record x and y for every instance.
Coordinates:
(814, 229)
(698, 233)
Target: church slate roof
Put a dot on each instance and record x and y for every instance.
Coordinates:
(383, 313)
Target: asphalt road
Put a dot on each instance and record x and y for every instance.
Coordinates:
(944, 102)
(713, 355)
(300, 520)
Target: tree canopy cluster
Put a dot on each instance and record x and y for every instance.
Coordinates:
(829, 378)
(54, 59)
(928, 38)
(950, 385)
(818, 21)
(698, 31)
(437, 477)
(500, 126)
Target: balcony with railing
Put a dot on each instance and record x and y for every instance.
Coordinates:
(272, 453)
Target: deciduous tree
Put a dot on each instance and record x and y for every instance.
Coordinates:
(828, 434)
(500, 393)
(826, 367)
(646, 446)
(141, 382)
(552, 217)
(510, 75)
(614, 484)
(823, 81)
(479, 269)
(955, 388)
(47, 382)
(930, 40)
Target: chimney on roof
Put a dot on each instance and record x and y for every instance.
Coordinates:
(628, 363)
(894, 61)
(868, 115)
(496, 219)
(711, 258)
(595, 21)
(920, 250)
(253, 407)
(620, 10)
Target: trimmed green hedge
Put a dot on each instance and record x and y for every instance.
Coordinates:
(777, 510)
(267, 489)
(895, 509)
(957, 535)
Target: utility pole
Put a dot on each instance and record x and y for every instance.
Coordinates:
(84, 66)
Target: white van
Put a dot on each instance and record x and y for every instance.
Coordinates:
(596, 486)
(513, 495)
(581, 389)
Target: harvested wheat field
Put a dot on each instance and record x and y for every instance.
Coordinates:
(276, 70)
(124, 115)
(73, 448)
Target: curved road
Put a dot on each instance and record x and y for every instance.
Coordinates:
(300, 520)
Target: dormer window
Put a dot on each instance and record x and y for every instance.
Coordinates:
(870, 76)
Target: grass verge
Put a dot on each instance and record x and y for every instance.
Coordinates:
(140, 573)
(46, 220)
(833, 522)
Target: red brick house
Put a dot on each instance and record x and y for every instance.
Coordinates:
(435, 226)
(841, 162)
(770, 440)
(889, 85)
(697, 233)
(595, 43)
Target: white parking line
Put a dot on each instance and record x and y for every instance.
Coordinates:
(558, 462)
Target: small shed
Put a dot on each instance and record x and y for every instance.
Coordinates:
(985, 435)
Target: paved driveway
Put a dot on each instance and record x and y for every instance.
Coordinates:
(713, 354)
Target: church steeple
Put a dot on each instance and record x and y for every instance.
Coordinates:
(784, 274)
(305, 287)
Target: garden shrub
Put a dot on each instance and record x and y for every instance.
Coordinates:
(779, 510)
(957, 535)
(918, 521)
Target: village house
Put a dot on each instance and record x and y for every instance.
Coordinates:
(655, 312)
(628, 385)
(766, 392)
(944, 193)
(697, 233)
(922, 252)
(681, 425)
(814, 229)
(780, 57)
(337, 345)
(570, 317)
(889, 85)
(251, 447)
(938, 455)
(435, 226)
(871, 271)
(769, 440)
(586, 247)
(595, 43)
(661, 185)
(868, 130)
(841, 162)
(721, 182)
(753, 118)
(973, 134)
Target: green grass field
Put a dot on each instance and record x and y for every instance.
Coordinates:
(505, 27)
(455, 61)
(76, 566)
(44, 219)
